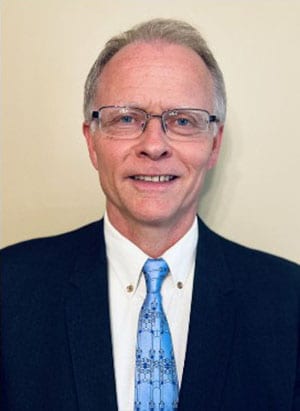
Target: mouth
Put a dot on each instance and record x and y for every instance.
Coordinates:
(155, 178)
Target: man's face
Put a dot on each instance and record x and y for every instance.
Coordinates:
(155, 77)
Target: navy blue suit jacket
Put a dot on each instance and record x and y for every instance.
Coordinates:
(56, 354)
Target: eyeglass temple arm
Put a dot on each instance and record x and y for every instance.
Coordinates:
(95, 114)
(213, 119)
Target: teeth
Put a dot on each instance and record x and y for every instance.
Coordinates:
(154, 179)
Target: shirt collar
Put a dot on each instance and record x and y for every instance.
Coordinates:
(182, 255)
(126, 260)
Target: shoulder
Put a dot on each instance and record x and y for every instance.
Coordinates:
(42, 254)
(66, 239)
(250, 266)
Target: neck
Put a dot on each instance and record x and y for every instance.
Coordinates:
(152, 238)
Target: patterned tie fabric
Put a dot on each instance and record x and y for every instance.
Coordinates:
(156, 384)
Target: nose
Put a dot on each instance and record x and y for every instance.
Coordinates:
(154, 142)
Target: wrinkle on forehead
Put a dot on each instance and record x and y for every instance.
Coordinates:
(143, 70)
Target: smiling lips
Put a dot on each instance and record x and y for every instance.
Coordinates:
(155, 179)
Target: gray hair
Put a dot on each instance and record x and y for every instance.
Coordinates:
(168, 30)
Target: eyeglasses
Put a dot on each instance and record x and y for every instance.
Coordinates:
(130, 122)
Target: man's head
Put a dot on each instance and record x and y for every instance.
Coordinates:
(151, 125)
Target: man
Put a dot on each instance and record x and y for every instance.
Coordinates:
(154, 117)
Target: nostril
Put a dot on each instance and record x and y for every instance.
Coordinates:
(154, 154)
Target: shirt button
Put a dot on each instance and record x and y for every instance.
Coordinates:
(129, 288)
(180, 285)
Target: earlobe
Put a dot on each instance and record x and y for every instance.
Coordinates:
(90, 141)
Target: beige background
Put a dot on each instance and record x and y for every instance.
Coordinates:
(47, 183)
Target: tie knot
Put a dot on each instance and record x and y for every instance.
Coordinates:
(155, 270)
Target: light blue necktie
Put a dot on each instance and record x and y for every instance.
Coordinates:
(156, 384)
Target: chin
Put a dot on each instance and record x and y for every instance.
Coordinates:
(155, 219)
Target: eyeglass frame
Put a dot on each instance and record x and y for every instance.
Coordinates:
(212, 118)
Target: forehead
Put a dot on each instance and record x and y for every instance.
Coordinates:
(148, 72)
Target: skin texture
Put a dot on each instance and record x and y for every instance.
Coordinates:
(154, 76)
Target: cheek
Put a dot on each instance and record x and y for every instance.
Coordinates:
(197, 157)
(110, 160)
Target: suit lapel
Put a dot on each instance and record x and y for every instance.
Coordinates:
(211, 327)
(88, 325)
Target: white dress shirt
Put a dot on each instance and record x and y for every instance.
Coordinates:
(127, 291)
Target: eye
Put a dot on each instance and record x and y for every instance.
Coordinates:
(123, 122)
(182, 122)
(123, 118)
(128, 119)
(186, 122)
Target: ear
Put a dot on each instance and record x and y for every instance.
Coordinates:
(217, 140)
(90, 137)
